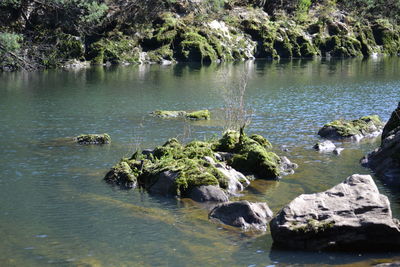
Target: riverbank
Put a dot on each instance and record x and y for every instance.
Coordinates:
(188, 31)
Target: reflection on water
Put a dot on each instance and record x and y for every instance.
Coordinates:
(56, 210)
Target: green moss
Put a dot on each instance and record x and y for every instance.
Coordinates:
(123, 174)
(253, 158)
(195, 115)
(251, 155)
(93, 139)
(195, 47)
(160, 54)
(114, 49)
(199, 115)
(69, 47)
(312, 225)
(261, 140)
(228, 142)
(188, 162)
(364, 125)
(387, 35)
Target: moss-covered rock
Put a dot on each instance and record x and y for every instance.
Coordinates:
(195, 47)
(124, 173)
(93, 139)
(114, 49)
(194, 115)
(250, 154)
(199, 115)
(364, 127)
(387, 36)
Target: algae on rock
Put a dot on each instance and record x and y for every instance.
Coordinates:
(363, 127)
(93, 139)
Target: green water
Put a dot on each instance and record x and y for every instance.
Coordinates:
(56, 210)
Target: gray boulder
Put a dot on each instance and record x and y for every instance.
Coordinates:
(351, 215)
(206, 193)
(242, 214)
(325, 146)
(164, 183)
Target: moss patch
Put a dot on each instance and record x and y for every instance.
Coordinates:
(194, 115)
(362, 126)
(93, 139)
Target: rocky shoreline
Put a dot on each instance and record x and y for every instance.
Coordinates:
(177, 33)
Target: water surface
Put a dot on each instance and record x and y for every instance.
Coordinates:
(56, 210)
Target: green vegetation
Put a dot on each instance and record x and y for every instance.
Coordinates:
(93, 139)
(194, 115)
(312, 225)
(48, 33)
(191, 165)
(362, 126)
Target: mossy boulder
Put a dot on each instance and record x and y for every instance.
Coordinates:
(93, 139)
(194, 115)
(250, 154)
(124, 173)
(199, 115)
(114, 49)
(187, 162)
(195, 47)
(197, 169)
(368, 126)
(387, 36)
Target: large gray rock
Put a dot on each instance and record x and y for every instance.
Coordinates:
(206, 193)
(243, 214)
(351, 215)
(385, 160)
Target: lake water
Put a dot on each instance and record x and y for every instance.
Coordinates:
(56, 210)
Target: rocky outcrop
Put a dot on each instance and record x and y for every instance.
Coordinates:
(351, 215)
(385, 160)
(93, 139)
(243, 214)
(194, 115)
(364, 127)
(203, 171)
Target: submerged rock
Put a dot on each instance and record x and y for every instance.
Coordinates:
(195, 115)
(168, 113)
(368, 126)
(85, 139)
(243, 214)
(325, 146)
(287, 167)
(351, 215)
(385, 160)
